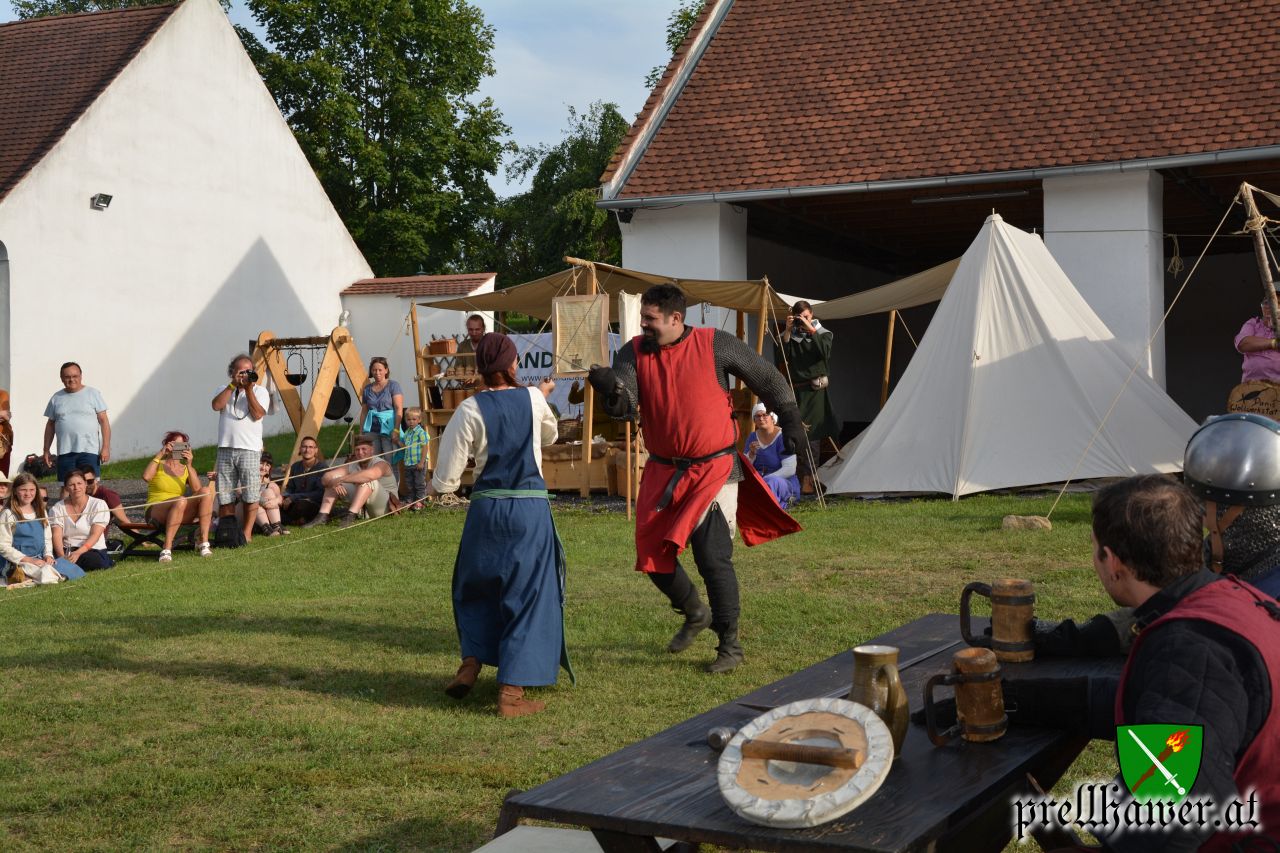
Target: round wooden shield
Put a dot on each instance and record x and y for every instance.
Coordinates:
(1257, 396)
(795, 795)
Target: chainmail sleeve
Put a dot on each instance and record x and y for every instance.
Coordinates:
(624, 367)
(733, 357)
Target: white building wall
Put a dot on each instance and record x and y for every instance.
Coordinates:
(707, 241)
(218, 229)
(1107, 233)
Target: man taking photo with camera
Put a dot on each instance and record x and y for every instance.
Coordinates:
(803, 356)
(241, 406)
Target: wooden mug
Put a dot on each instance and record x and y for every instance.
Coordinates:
(1013, 614)
(980, 715)
(876, 684)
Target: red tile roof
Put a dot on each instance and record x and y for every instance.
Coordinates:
(414, 286)
(794, 93)
(52, 69)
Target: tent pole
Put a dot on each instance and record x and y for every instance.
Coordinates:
(1254, 225)
(741, 331)
(888, 357)
(627, 488)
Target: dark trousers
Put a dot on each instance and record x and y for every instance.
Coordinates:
(299, 510)
(417, 479)
(68, 462)
(713, 555)
(94, 559)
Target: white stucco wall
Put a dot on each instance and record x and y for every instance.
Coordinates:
(690, 241)
(379, 323)
(218, 229)
(1107, 233)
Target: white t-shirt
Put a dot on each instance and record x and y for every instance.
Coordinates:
(235, 427)
(75, 532)
(75, 420)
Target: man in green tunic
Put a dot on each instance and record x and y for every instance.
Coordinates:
(806, 347)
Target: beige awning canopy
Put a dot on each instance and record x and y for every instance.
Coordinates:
(534, 297)
(918, 289)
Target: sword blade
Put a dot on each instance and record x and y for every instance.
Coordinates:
(1169, 777)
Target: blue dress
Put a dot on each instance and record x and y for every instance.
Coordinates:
(768, 460)
(508, 580)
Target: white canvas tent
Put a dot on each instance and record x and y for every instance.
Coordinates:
(1008, 386)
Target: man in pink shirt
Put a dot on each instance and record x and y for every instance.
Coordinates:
(1257, 343)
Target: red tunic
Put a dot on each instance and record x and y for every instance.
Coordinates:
(688, 415)
(1231, 604)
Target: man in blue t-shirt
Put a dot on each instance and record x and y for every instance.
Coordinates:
(78, 419)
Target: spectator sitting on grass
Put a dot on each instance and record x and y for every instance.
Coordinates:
(364, 483)
(79, 526)
(305, 489)
(268, 522)
(168, 476)
(5, 484)
(110, 497)
(25, 540)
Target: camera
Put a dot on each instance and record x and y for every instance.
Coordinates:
(176, 449)
(251, 375)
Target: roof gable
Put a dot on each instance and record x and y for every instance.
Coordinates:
(52, 69)
(414, 286)
(811, 93)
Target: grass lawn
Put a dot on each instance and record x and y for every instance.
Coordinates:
(288, 695)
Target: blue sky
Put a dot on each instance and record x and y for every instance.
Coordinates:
(553, 54)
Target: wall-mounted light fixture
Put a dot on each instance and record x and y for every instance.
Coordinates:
(625, 214)
(100, 201)
(939, 199)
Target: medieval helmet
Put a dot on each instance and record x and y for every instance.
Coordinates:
(1235, 459)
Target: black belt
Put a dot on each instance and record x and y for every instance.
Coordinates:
(682, 464)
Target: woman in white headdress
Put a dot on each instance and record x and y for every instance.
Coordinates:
(764, 449)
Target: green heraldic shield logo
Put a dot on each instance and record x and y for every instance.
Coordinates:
(1159, 761)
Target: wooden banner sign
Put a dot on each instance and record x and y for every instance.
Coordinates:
(1257, 396)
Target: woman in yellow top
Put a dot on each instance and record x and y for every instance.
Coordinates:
(168, 476)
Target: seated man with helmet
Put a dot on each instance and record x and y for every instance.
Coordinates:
(1232, 463)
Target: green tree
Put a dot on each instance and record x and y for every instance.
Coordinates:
(682, 19)
(530, 233)
(40, 8)
(380, 95)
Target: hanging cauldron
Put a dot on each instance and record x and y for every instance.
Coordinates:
(295, 378)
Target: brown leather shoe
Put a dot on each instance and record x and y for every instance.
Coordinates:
(511, 702)
(465, 679)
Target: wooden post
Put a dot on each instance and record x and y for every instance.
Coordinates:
(888, 357)
(419, 374)
(1260, 250)
(588, 400)
(267, 361)
(627, 488)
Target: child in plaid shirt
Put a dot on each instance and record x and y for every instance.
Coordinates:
(415, 440)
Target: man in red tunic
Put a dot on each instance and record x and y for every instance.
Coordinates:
(696, 488)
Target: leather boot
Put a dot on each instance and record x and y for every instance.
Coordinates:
(465, 679)
(511, 702)
(728, 653)
(697, 618)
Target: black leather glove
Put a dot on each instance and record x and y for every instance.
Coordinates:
(794, 436)
(607, 384)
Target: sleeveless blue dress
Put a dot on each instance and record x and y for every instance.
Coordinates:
(508, 579)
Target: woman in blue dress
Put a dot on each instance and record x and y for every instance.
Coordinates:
(764, 449)
(508, 579)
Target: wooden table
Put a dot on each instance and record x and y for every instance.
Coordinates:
(950, 798)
